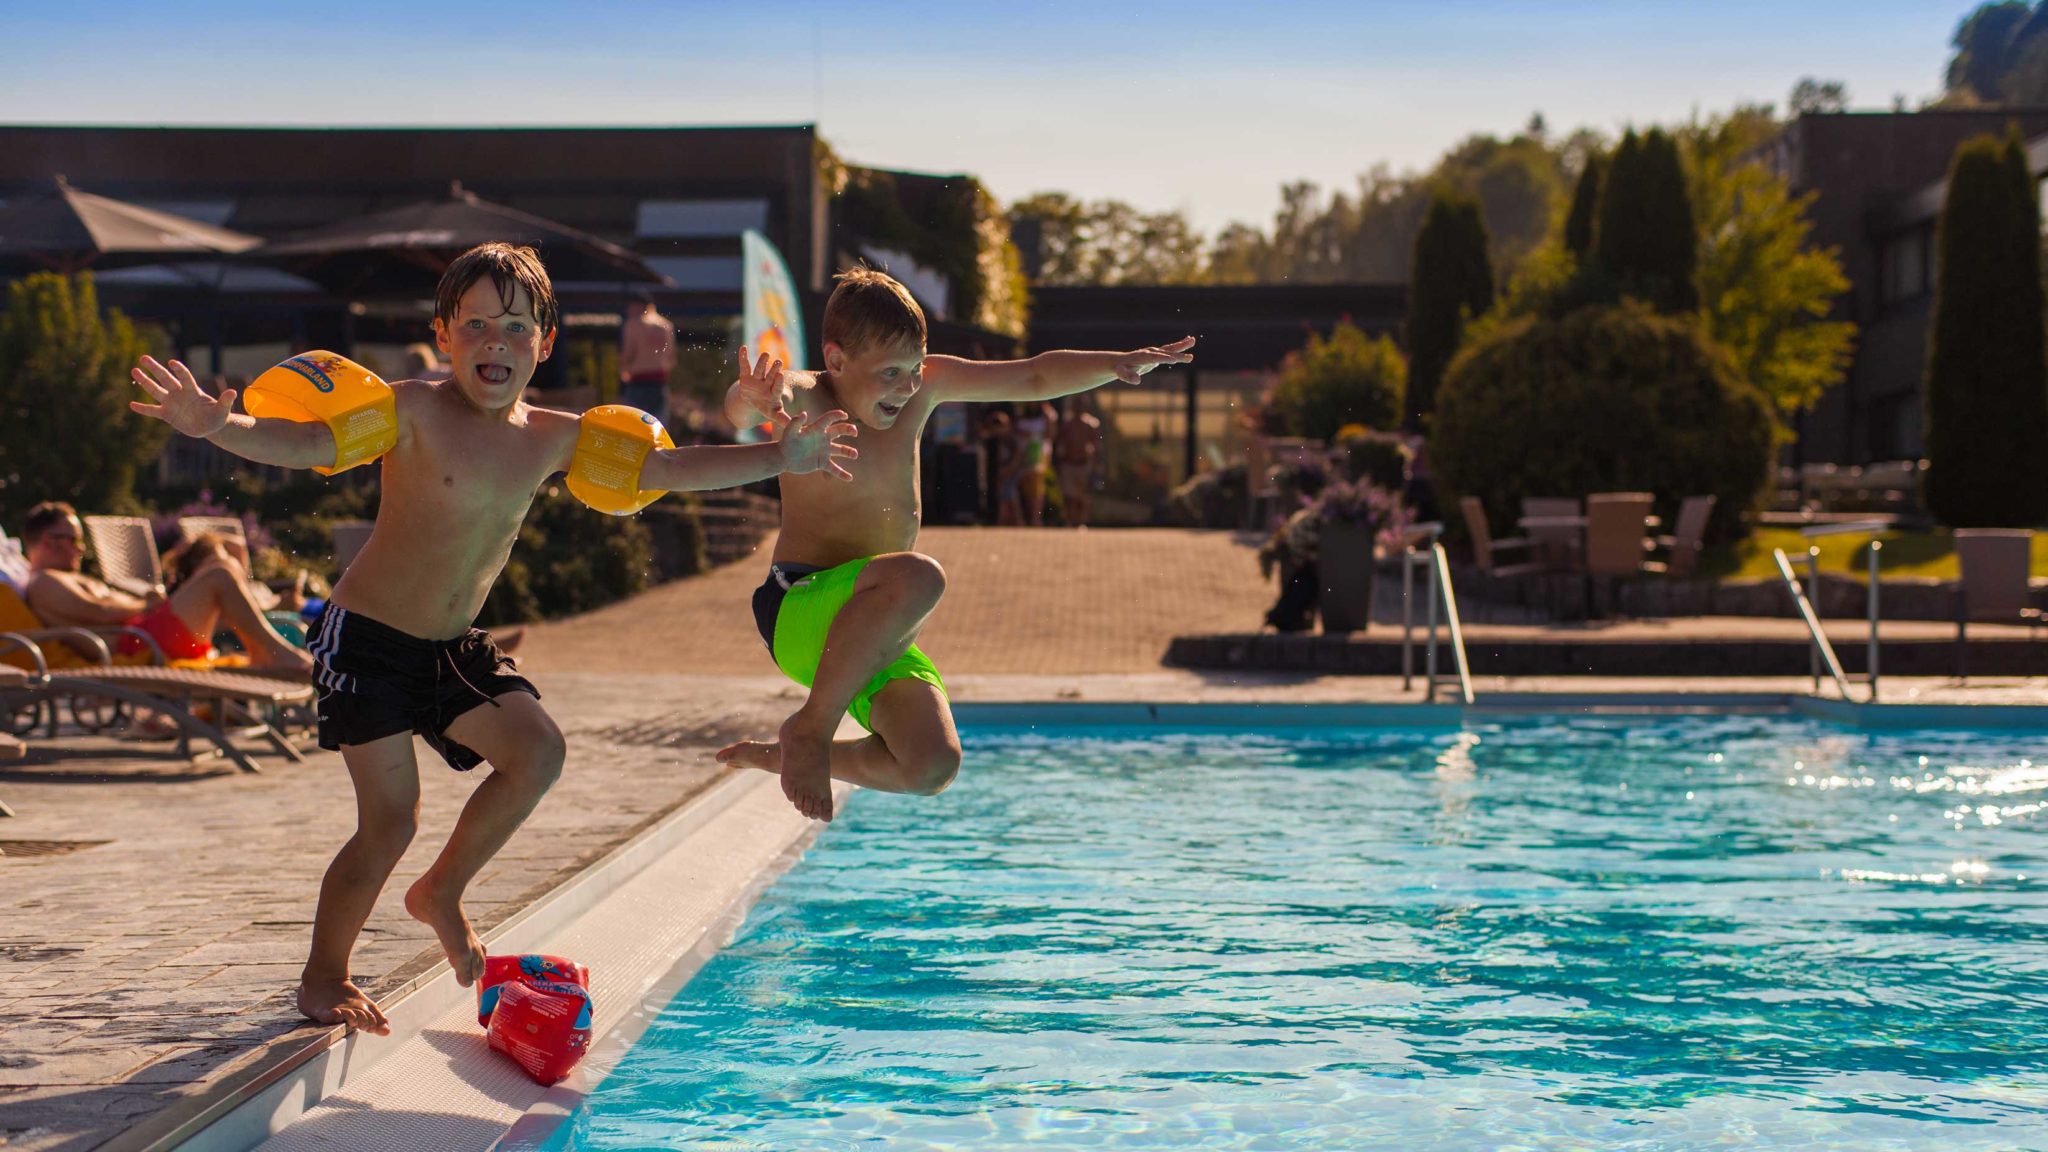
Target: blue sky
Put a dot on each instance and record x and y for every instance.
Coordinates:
(1199, 105)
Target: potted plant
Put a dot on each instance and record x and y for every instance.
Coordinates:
(1325, 551)
(1351, 515)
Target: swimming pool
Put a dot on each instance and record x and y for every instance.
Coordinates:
(1638, 933)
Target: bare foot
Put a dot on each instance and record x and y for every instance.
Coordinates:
(759, 754)
(339, 1001)
(443, 913)
(806, 769)
(804, 763)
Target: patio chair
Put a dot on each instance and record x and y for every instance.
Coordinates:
(1615, 524)
(1688, 538)
(1558, 545)
(1486, 551)
(103, 694)
(1995, 587)
(126, 548)
(349, 538)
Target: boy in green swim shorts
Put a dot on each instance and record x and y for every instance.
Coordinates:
(847, 593)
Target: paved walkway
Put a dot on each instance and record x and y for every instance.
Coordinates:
(136, 972)
(1017, 601)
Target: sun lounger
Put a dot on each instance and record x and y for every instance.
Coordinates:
(177, 694)
(126, 549)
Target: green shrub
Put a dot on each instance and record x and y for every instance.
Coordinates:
(1348, 378)
(1987, 383)
(66, 432)
(569, 559)
(1217, 499)
(1381, 458)
(1603, 400)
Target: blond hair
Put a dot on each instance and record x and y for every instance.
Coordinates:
(871, 309)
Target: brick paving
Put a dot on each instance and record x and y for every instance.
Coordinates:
(140, 971)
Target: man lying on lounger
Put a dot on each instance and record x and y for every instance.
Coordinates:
(182, 622)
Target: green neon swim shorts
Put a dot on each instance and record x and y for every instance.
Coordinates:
(803, 621)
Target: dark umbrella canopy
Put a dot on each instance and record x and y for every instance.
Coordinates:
(405, 249)
(70, 230)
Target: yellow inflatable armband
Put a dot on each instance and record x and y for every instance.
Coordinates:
(354, 402)
(611, 445)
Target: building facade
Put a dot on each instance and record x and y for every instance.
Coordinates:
(1878, 182)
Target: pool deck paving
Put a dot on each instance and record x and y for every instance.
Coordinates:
(141, 972)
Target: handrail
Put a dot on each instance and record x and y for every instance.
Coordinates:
(1820, 639)
(1873, 587)
(1410, 557)
(1442, 562)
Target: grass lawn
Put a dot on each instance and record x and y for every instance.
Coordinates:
(1905, 554)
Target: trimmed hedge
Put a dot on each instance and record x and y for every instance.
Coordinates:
(1606, 399)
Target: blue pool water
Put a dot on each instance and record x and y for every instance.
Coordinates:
(1674, 933)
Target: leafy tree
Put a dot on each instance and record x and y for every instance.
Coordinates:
(1348, 378)
(951, 225)
(1578, 221)
(1452, 282)
(1108, 242)
(1812, 96)
(1766, 293)
(66, 432)
(1987, 380)
(1987, 43)
(1645, 243)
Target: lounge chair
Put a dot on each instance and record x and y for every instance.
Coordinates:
(1688, 538)
(177, 694)
(1486, 551)
(126, 549)
(1995, 588)
(1559, 544)
(1615, 523)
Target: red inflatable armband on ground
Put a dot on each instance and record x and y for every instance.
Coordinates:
(543, 1026)
(525, 969)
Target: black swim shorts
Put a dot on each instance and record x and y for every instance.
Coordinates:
(376, 681)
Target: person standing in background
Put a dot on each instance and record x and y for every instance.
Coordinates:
(1074, 449)
(647, 353)
(1034, 430)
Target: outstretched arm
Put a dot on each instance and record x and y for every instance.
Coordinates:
(763, 393)
(184, 405)
(1048, 374)
(808, 444)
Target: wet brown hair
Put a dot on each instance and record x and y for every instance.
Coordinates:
(510, 268)
(870, 309)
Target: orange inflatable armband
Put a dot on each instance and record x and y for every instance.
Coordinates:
(354, 402)
(611, 445)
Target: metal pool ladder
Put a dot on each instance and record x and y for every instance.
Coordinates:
(1820, 650)
(1439, 587)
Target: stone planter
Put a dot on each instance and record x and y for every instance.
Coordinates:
(1345, 558)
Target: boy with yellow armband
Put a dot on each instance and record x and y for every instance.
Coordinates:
(394, 653)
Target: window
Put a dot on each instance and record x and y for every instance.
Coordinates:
(701, 218)
(1906, 266)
